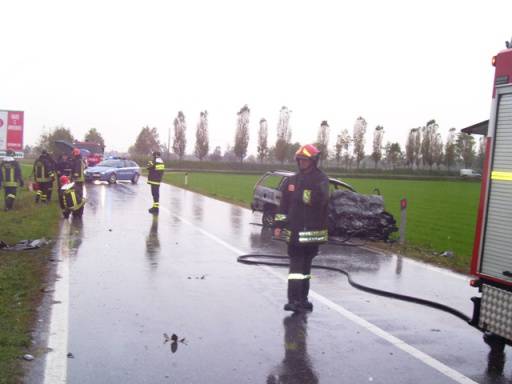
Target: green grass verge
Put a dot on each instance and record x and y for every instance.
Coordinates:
(441, 215)
(22, 275)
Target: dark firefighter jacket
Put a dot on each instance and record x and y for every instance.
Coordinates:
(302, 213)
(156, 171)
(10, 174)
(77, 169)
(63, 168)
(71, 201)
(44, 168)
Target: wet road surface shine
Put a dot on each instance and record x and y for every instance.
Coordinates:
(134, 277)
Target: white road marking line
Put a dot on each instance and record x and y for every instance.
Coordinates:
(395, 341)
(445, 272)
(56, 364)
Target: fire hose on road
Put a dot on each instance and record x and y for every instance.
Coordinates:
(249, 259)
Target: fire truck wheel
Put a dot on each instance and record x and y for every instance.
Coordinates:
(497, 343)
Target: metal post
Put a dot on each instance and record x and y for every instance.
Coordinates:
(403, 219)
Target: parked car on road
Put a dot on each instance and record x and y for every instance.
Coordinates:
(267, 194)
(113, 170)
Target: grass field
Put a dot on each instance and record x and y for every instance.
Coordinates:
(441, 215)
(22, 275)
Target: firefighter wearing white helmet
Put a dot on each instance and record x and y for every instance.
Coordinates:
(10, 178)
(302, 221)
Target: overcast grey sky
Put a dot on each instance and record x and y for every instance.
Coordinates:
(121, 65)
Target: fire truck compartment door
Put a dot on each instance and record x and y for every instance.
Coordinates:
(496, 258)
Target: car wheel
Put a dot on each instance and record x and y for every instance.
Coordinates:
(112, 178)
(135, 178)
(268, 218)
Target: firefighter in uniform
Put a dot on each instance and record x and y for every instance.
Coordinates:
(10, 178)
(77, 171)
(44, 175)
(301, 220)
(72, 201)
(156, 170)
(63, 168)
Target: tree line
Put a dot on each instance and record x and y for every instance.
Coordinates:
(424, 147)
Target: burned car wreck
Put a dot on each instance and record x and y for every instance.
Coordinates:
(351, 214)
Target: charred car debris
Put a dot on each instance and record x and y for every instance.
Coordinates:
(351, 214)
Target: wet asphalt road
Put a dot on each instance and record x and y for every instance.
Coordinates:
(134, 277)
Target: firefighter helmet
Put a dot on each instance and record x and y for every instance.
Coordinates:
(76, 152)
(64, 180)
(156, 154)
(309, 152)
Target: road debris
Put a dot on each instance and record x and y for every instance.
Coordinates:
(28, 357)
(70, 356)
(174, 339)
(24, 245)
(447, 254)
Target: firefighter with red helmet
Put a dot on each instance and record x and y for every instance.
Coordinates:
(72, 200)
(301, 221)
(10, 178)
(155, 169)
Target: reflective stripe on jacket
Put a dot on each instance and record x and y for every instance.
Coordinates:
(43, 170)
(78, 169)
(156, 171)
(302, 213)
(10, 174)
(70, 198)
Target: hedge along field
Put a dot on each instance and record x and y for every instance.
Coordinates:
(441, 215)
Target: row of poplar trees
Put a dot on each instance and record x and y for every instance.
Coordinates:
(424, 147)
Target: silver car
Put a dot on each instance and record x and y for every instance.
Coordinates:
(267, 193)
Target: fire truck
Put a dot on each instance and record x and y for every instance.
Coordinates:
(492, 251)
(95, 150)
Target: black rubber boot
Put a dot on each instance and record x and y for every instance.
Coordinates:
(153, 210)
(306, 304)
(294, 295)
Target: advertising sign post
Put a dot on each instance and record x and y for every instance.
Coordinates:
(11, 132)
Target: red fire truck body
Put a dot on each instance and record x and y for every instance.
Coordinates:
(492, 251)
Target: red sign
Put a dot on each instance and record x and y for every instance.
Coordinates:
(15, 120)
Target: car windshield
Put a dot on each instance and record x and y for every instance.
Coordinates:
(110, 163)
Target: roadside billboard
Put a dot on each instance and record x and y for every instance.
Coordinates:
(11, 132)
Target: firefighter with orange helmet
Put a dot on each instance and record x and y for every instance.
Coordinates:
(301, 221)
(71, 198)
